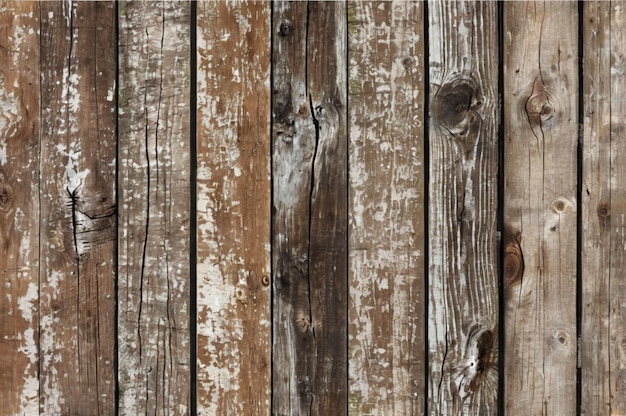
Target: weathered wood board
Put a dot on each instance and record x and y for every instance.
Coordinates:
(154, 208)
(233, 191)
(309, 170)
(603, 329)
(77, 230)
(463, 250)
(19, 207)
(541, 137)
(387, 347)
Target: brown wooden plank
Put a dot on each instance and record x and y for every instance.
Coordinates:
(154, 187)
(386, 227)
(19, 207)
(233, 188)
(78, 145)
(541, 131)
(463, 279)
(603, 345)
(309, 162)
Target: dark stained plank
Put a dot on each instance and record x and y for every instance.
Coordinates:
(154, 198)
(19, 207)
(234, 192)
(463, 250)
(541, 137)
(387, 347)
(77, 231)
(603, 330)
(309, 162)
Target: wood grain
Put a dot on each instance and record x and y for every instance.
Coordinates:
(154, 197)
(78, 147)
(541, 135)
(19, 207)
(234, 191)
(309, 170)
(603, 329)
(386, 225)
(463, 266)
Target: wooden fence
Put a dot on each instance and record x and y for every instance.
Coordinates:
(312, 208)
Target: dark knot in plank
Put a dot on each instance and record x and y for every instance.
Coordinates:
(5, 198)
(513, 257)
(539, 108)
(455, 107)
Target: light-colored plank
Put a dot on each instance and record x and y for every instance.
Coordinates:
(603, 329)
(19, 207)
(78, 144)
(309, 160)
(387, 347)
(463, 250)
(154, 203)
(541, 136)
(234, 329)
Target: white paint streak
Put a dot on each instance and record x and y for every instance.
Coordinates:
(10, 117)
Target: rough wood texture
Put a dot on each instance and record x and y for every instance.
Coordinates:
(541, 131)
(309, 159)
(234, 189)
(603, 337)
(463, 280)
(19, 207)
(154, 186)
(387, 293)
(77, 300)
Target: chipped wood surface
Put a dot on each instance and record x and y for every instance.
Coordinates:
(234, 189)
(541, 136)
(154, 186)
(603, 330)
(19, 207)
(78, 147)
(387, 293)
(309, 160)
(463, 267)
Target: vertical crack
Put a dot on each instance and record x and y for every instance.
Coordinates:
(316, 124)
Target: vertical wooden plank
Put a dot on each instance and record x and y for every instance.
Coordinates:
(386, 227)
(234, 332)
(463, 280)
(603, 338)
(154, 187)
(77, 304)
(19, 207)
(541, 131)
(309, 171)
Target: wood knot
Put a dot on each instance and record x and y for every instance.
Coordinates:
(265, 280)
(455, 107)
(408, 62)
(559, 338)
(5, 198)
(513, 257)
(560, 205)
(538, 107)
(478, 365)
(285, 28)
(603, 211)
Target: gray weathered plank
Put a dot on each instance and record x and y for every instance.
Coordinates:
(541, 136)
(603, 261)
(463, 277)
(309, 160)
(234, 191)
(19, 207)
(154, 188)
(387, 347)
(78, 145)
